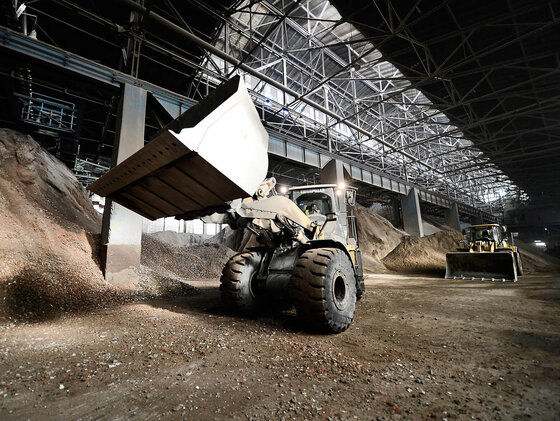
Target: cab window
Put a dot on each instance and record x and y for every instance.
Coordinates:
(314, 203)
(485, 233)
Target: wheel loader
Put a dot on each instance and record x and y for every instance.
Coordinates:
(210, 163)
(485, 254)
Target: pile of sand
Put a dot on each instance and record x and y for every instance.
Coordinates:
(432, 225)
(536, 261)
(48, 246)
(377, 237)
(422, 255)
(50, 242)
(388, 249)
(179, 239)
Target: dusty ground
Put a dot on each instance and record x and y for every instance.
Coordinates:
(487, 351)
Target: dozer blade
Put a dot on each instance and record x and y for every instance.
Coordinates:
(213, 153)
(481, 266)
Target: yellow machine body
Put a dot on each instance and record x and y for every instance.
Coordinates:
(486, 254)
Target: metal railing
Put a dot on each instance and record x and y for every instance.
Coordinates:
(47, 112)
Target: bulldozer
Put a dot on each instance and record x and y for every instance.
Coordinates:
(211, 163)
(485, 254)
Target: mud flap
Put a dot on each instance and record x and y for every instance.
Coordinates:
(481, 266)
(215, 152)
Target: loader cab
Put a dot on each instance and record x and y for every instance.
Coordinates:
(322, 196)
(315, 201)
(328, 202)
(489, 233)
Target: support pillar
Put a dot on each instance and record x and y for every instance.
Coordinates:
(477, 220)
(411, 214)
(452, 217)
(121, 232)
(396, 212)
(334, 173)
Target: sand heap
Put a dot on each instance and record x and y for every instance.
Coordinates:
(422, 255)
(536, 261)
(48, 241)
(377, 236)
(386, 248)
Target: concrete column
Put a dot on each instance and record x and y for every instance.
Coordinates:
(334, 172)
(452, 217)
(121, 232)
(412, 217)
(396, 212)
(477, 219)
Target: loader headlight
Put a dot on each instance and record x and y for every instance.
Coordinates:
(283, 189)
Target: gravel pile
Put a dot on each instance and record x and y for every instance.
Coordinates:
(159, 283)
(194, 262)
(48, 241)
(44, 289)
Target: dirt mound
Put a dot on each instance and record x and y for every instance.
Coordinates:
(536, 261)
(194, 262)
(179, 239)
(422, 255)
(156, 282)
(47, 249)
(377, 236)
(43, 289)
(233, 239)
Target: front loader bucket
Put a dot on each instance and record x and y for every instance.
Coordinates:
(213, 153)
(481, 266)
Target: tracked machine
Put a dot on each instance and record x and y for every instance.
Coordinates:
(486, 254)
(210, 163)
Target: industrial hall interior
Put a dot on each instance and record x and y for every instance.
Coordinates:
(279, 210)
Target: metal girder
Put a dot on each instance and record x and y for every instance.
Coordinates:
(370, 114)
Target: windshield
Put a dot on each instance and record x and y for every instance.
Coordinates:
(314, 203)
(484, 234)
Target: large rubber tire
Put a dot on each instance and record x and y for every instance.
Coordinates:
(237, 284)
(518, 263)
(323, 288)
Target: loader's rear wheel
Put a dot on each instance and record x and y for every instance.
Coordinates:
(323, 289)
(238, 283)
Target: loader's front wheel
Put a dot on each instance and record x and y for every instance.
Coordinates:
(238, 283)
(323, 288)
